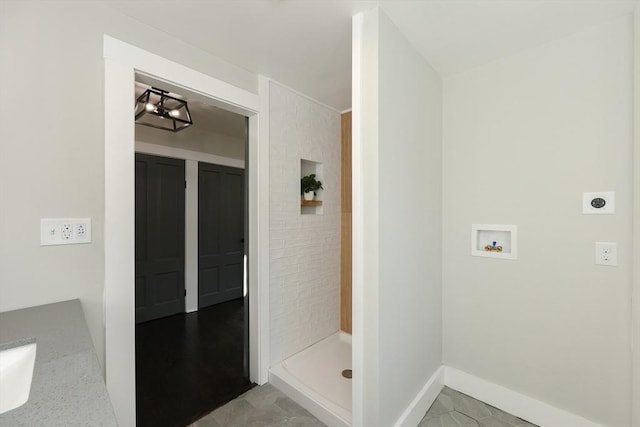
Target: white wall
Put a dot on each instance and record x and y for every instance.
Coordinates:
(304, 249)
(524, 136)
(54, 166)
(195, 139)
(401, 207)
(410, 115)
(365, 239)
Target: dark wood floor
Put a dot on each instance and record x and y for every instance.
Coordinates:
(189, 364)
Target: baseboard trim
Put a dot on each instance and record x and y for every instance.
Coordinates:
(512, 402)
(525, 407)
(422, 402)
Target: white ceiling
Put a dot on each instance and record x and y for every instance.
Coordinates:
(306, 44)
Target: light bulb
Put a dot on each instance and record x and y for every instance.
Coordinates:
(174, 113)
(149, 106)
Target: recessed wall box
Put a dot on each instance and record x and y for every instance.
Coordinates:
(308, 167)
(599, 202)
(494, 241)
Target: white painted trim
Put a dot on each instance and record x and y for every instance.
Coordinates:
(119, 241)
(180, 153)
(232, 98)
(635, 296)
(190, 235)
(366, 221)
(304, 95)
(422, 402)
(517, 404)
(357, 289)
(259, 190)
(122, 62)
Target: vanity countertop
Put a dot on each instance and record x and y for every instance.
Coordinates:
(67, 387)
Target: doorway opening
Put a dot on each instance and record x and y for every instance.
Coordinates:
(122, 63)
(191, 302)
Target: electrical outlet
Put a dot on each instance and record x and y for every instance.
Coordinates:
(606, 253)
(64, 231)
(80, 230)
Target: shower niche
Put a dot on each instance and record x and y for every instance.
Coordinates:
(312, 207)
(494, 241)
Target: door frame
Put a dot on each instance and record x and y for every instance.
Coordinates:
(635, 285)
(122, 62)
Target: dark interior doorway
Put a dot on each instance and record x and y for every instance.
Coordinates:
(191, 243)
(220, 233)
(188, 364)
(159, 237)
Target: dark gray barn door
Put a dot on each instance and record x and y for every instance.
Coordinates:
(159, 237)
(220, 233)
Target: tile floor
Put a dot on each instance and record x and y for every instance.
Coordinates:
(266, 406)
(263, 406)
(454, 409)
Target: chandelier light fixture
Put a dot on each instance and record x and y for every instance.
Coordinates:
(157, 109)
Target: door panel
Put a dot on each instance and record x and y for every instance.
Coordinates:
(220, 233)
(159, 237)
(208, 280)
(231, 277)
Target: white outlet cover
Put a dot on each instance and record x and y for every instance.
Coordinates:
(609, 198)
(51, 231)
(606, 253)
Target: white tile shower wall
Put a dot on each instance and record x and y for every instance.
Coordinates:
(304, 249)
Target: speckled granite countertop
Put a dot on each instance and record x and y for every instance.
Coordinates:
(67, 387)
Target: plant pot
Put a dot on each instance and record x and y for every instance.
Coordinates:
(308, 195)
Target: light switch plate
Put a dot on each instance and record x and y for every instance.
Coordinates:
(599, 202)
(64, 231)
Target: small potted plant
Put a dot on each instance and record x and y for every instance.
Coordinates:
(309, 185)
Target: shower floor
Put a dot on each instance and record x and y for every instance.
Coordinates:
(313, 378)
